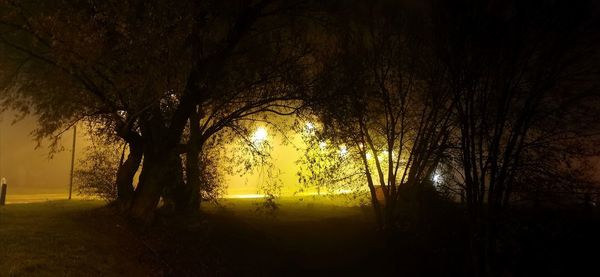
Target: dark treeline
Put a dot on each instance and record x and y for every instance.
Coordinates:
(499, 97)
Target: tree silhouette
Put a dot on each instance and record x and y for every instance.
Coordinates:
(143, 71)
(382, 99)
(511, 69)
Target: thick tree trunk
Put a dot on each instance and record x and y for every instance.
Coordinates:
(175, 189)
(191, 201)
(125, 175)
(188, 196)
(161, 167)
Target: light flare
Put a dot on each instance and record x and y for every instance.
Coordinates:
(259, 136)
(343, 150)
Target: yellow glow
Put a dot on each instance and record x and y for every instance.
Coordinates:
(369, 156)
(344, 191)
(259, 136)
(27, 168)
(245, 196)
(384, 155)
(285, 160)
(41, 197)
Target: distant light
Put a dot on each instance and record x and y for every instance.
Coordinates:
(369, 156)
(437, 178)
(310, 126)
(259, 136)
(343, 150)
(322, 144)
(122, 113)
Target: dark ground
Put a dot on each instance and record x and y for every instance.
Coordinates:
(83, 238)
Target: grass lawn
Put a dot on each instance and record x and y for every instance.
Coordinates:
(303, 237)
(82, 238)
(67, 238)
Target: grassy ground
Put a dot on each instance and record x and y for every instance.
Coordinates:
(81, 238)
(66, 238)
(303, 237)
(300, 238)
(20, 195)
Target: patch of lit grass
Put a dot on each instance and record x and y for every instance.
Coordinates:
(293, 208)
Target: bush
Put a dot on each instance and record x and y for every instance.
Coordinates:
(97, 171)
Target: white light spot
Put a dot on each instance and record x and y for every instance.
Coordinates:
(310, 126)
(122, 113)
(437, 178)
(259, 136)
(343, 150)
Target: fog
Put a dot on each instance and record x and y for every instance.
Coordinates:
(31, 169)
(284, 157)
(35, 170)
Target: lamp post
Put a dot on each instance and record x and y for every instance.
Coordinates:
(72, 161)
(3, 185)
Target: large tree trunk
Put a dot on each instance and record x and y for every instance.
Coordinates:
(161, 167)
(175, 189)
(190, 202)
(190, 199)
(126, 173)
(379, 212)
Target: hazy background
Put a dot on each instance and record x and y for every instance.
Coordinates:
(31, 170)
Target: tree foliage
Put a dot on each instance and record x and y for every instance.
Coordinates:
(96, 173)
(150, 72)
(382, 99)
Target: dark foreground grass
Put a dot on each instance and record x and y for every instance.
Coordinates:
(67, 238)
(301, 238)
(84, 238)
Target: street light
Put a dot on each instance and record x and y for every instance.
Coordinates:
(259, 136)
